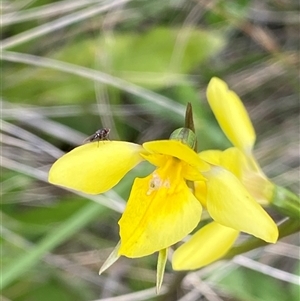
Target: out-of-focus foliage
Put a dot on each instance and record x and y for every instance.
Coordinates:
(134, 57)
(144, 60)
(249, 284)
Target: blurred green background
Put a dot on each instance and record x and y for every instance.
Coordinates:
(72, 67)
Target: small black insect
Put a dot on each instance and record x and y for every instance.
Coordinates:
(100, 135)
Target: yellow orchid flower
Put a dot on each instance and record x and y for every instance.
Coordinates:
(161, 209)
(236, 124)
(240, 211)
(233, 209)
(239, 159)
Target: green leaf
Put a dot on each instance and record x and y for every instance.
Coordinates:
(55, 237)
(53, 289)
(160, 57)
(249, 285)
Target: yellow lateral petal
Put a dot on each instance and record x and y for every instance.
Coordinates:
(231, 114)
(161, 210)
(206, 246)
(249, 173)
(235, 161)
(230, 204)
(95, 167)
(191, 173)
(178, 150)
(201, 192)
(211, 156)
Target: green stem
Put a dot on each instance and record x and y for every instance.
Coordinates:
(286, 202)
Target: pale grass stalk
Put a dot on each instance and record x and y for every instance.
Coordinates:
(192, 295)
(31, 139)
(152, 97)
(12, 183)
(266, 269)
(201, 288)
(59, 24)
(14, 112)
(184, 35)
(109, 199)
(53, 128)
(219, 270)
(262, 15)
(16, 5)
(284, 249)
(19, 143)
(146, 294)
(60, 262)
(54, 237)
(44, 11)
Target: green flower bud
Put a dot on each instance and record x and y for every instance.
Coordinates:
(185, 135)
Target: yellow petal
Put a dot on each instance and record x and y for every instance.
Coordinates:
(155, 159)
(211, 156)
(95, 167)
(161, 210)
(239, 163)
(230, 204)
(246, 169)
(178, 150)
(201, 192)
(206, 246)
(231, 115)
(191, 173)
(235, 161)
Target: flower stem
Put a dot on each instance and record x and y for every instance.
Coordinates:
(286, 202)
